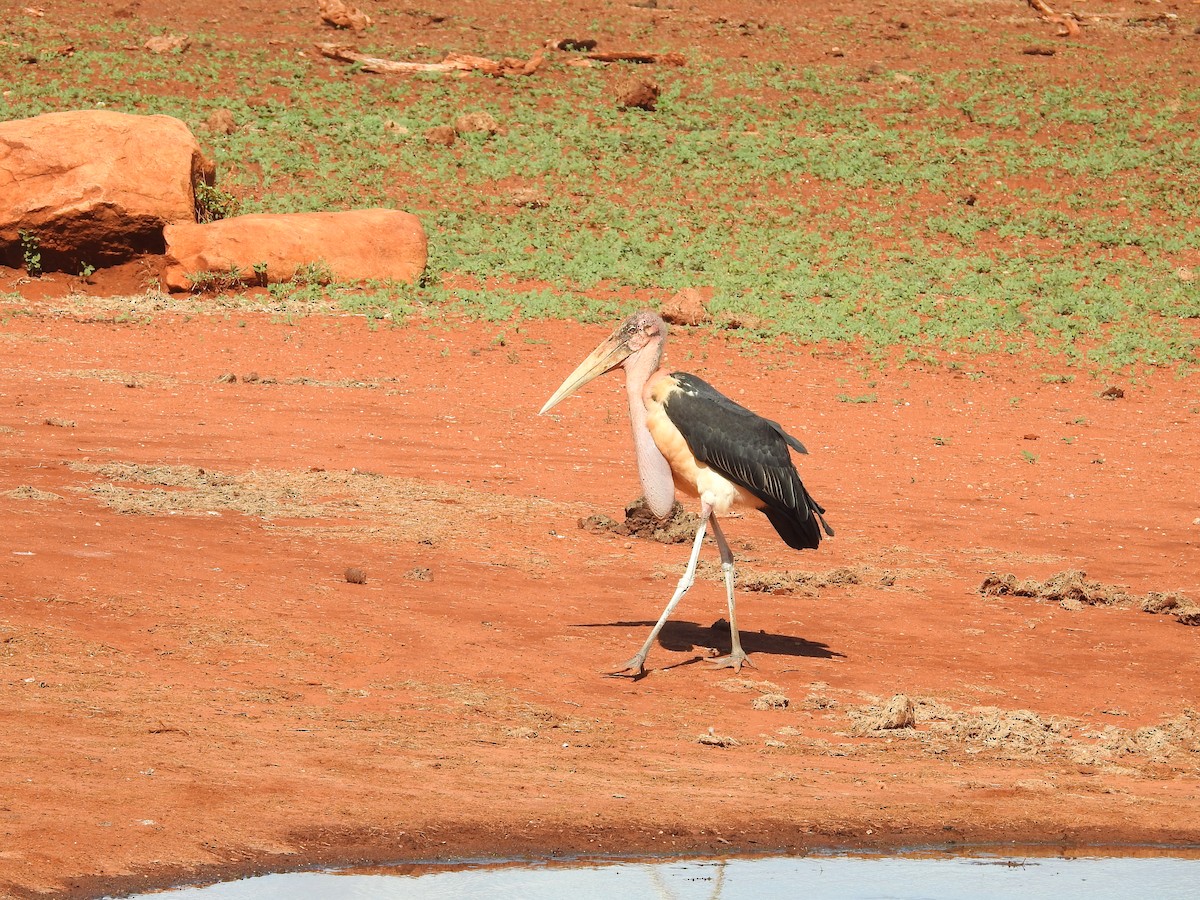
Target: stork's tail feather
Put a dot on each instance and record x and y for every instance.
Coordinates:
(819, 511)
(824, 524)
(800, 530)
(797, 533)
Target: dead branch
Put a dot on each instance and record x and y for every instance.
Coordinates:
(454, 62)
(1067, 27)
(665, 59)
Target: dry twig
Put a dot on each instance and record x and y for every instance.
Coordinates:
(666, 59)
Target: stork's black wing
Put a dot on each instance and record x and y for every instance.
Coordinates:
(750, 451)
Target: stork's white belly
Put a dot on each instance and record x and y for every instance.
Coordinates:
(691, 476)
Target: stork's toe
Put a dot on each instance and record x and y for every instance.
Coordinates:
(733, 661)
(635, 668)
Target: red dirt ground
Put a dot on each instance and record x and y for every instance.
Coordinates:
(192, 688)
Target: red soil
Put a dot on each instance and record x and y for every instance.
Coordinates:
(192, 687)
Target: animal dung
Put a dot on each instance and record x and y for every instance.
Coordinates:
(770, 701)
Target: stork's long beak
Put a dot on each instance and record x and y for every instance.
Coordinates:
(612, 351)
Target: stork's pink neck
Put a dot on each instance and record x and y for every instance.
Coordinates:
(654, 471)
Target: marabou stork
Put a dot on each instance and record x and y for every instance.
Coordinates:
(690, 436)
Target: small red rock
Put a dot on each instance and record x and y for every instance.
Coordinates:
(640, 94)
(688, 307)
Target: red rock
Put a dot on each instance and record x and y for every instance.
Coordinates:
(95, 187)
(441, 135)
(639, 94)
(358, 245)
(340, 14)
(168, 43)
(688, 307)
(483, 122)
(222, 121)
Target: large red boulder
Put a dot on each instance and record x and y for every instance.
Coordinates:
(94, 187)
(357, 245)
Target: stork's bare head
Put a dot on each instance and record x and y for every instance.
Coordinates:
(639, 339)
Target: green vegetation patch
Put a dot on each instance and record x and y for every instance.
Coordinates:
(976, 209)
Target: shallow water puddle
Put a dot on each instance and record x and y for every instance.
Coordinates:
(811, 877)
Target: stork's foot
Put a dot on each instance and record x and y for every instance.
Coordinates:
(733, 661)
(635, 668)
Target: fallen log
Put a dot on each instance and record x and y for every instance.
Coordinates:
(454, 62)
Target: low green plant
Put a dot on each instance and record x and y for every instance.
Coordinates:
(30, 253)
(313, 273)
(990, 209)
(212, 203)
(211, 282)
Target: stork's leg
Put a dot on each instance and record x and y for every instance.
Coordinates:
(737, 656)
(637, 665)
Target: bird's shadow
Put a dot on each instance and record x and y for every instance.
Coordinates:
(680, 636)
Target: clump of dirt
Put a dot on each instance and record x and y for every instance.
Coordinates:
(28, 492)
(1185, 611)
(677, 528)
(116, 376)
(1022, 733)
(820, 701)
(1069, 589)
(789, 582)
(772, 582)
(745, 685)
(1072, 590)
(1175, 737)
(197, 491)
(770, 701)
(718, 740)
(1013, 733)
(899, 712)
(770, 695)
(355, 505)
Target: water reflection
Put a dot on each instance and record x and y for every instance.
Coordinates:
(822, 877)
